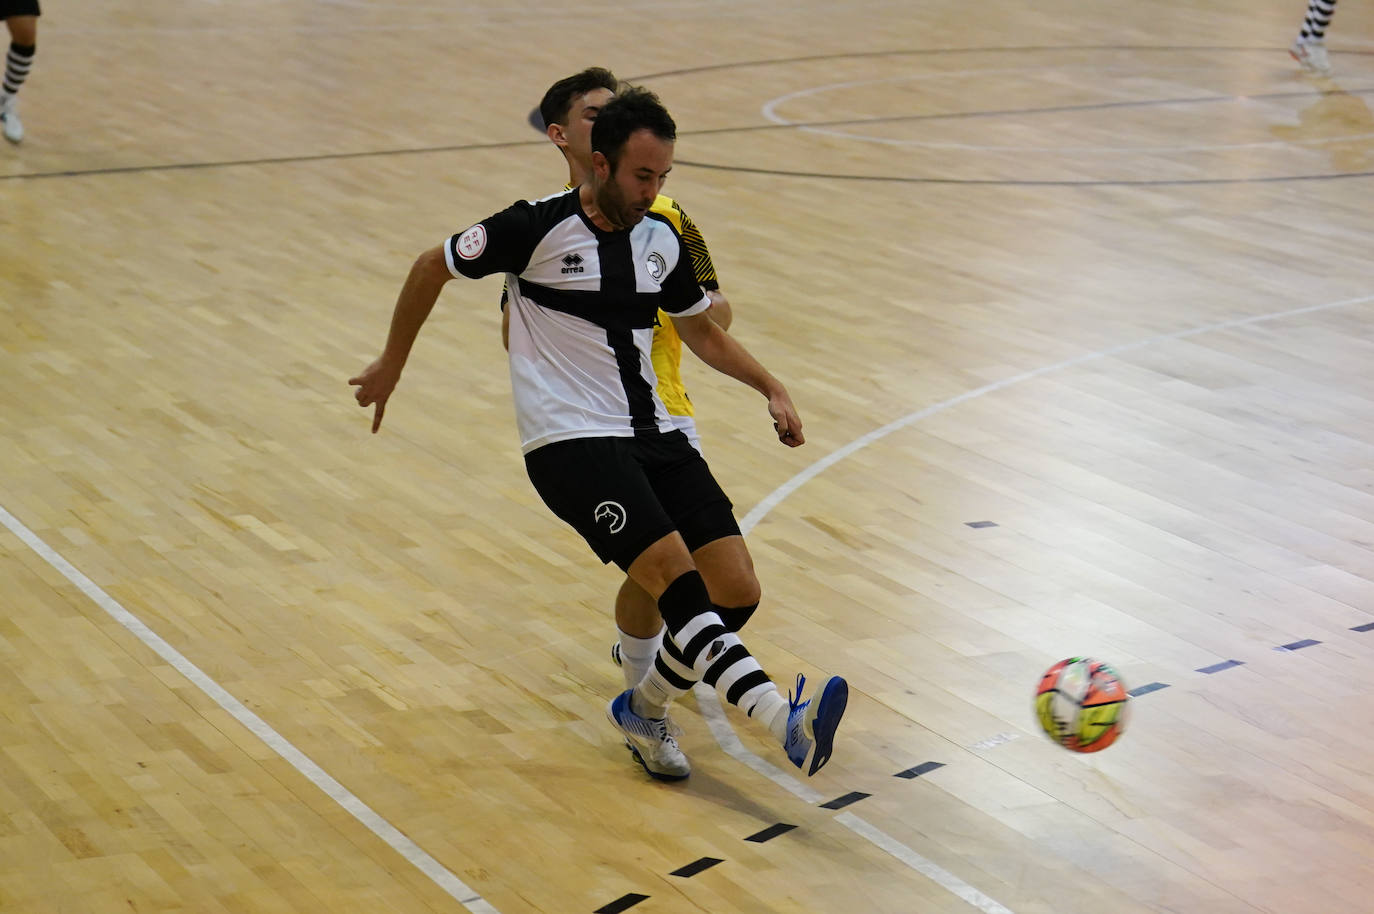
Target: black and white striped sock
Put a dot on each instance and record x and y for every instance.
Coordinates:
(673, 674)
(1319, 13)
(18, 62)
(700, 647)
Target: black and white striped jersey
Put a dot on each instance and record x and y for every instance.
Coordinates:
(582, 309)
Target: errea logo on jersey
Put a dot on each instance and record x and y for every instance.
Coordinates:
(573, 264)
(472, 243)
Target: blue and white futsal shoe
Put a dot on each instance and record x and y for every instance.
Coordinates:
(650, 740)
(811, 724)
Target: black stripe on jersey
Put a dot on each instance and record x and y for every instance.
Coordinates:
(618, 285)
(620, 310)
(617, 262)
(638, 393)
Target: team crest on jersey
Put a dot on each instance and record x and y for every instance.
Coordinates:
(657, 265)
(473, 242)
(610, 513)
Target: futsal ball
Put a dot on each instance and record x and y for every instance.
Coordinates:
(1081, 704)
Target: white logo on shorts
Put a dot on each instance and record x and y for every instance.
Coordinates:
(473, 242)
(611, 512)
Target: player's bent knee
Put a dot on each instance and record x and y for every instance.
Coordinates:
(661, 564)
(738, 592)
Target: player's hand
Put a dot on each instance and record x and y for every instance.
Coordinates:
(786, 422)
(375, 384)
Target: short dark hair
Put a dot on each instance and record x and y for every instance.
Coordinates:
(557, 102)
(634, 109)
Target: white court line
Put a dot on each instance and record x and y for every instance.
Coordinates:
(770, 112)
(771, 501)
(710, 705)
(933, 871)
(316, 775)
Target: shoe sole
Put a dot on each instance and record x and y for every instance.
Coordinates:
(823, 719)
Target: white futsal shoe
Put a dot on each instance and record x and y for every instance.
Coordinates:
(1310, 53)
(9, 120)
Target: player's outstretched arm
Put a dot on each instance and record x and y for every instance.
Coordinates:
(418, 295)
(722, 352)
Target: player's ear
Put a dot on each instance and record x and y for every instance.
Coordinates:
(557, 134)
(601, 165)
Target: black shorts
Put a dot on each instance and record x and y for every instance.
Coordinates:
(625, 494)
(10, 8)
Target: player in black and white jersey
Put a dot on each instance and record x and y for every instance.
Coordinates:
(569, 110)
(587, 271)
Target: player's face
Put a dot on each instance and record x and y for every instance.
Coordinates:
(581, 116)
(625, 195)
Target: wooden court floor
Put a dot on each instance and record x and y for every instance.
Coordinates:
(1076, 303)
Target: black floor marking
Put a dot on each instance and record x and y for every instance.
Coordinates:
(769, 833)
(919, 770)
(1224, 665)
(1299, 645)
(1367, 627)
(1147, 688)
(846, 800)
(272, 160)
(1021, 182)
(624, 902)
(696, 866)
(979, 524)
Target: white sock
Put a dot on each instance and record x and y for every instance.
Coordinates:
(637, 656)
(646, 705)
(773, 710)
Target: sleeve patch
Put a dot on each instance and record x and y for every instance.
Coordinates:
(472, 243)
